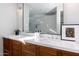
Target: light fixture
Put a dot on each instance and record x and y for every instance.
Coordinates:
(19, 11)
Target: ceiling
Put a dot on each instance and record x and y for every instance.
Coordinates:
(40, 8)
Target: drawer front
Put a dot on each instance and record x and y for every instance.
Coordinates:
(17, 53)
(29, 47)
(17, 45)
(45, 51)
(7, 44)
(66, 53)
(17, 48)
(28, 53)
(16, 42)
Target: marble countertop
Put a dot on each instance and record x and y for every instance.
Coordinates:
(52, 43)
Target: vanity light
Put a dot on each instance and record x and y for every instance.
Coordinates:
(19, 11)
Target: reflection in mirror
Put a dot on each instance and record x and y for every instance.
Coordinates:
(44, 23)
(43, 17)
(61, 17)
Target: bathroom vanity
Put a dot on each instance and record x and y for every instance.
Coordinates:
(18, 47)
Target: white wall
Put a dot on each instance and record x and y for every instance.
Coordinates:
(71, 13)
(8, 20)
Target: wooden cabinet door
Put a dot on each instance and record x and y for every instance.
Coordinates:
(66, 53)
(17, 48)
(45, 51)
(7, 43)
(28, 49)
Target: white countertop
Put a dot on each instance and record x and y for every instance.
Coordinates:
(52, 43)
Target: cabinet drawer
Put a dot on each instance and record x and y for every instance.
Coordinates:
(29, 47)
(28, 53)
(7, 43)
(15, 42)
(66, 53)
(17, 53)
(17, 45)
(17, 48)
(45, 51)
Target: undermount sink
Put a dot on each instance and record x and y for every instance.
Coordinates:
(22, 36)
(25, 37)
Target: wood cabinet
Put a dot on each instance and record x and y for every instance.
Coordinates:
(45, 51)
(7, 43)
(12, 47)
(17, 48)
(67, 53)
(28, 49)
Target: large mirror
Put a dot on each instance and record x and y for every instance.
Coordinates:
(45, 18)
